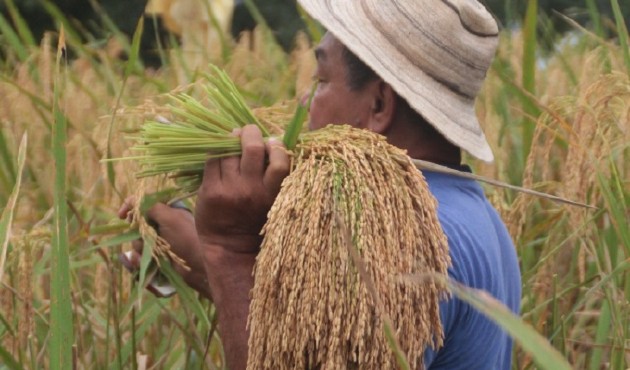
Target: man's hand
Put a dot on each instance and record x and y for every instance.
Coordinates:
(232, 206)
(237, 193)
(177, 227)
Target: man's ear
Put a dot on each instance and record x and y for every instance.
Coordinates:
(383, 108)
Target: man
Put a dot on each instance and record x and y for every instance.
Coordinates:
(409, 70)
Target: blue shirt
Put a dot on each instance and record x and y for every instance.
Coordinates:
(483, 257)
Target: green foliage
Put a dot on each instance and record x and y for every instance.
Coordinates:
(7, 167)
(529, 73)
(622, 32)
(61, 322)
(11, 37)
(20, 24)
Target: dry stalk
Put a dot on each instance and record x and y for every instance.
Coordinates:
(25, 285)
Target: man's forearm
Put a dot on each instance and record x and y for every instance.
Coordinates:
(230, 279)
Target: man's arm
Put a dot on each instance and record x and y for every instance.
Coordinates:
(231, 280)
(232, 206)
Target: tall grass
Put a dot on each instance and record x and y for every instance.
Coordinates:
(575, 266)
(61, 318)
(622, 31)
(530, 30)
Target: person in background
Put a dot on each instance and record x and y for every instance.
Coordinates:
(281, 16)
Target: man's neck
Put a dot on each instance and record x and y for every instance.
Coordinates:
(435, 148)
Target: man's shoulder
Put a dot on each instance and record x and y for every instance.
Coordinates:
(483, 257)
(480, 245)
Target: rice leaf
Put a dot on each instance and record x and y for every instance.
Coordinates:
(601, 336)
(127, 237)
(595, 16)
(134, 56)
(547, 357)
(147, 264)
(22, 27)
(529, 72)
(622, 32)
(294, 128)
(186, 294)
(147, 317)
(7, 169)
(7, 213)
(61, 320)
(616, 204)
(13, 39)
(161, 51)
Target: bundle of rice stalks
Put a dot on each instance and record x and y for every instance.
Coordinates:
(349, 191)
(310, 309)
(179, 145)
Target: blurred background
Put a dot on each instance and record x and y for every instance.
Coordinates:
(98, 18)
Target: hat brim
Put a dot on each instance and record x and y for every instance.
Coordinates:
(450, 112)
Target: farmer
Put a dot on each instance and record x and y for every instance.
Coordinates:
(409, 70)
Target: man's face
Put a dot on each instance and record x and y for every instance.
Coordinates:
(333, 101)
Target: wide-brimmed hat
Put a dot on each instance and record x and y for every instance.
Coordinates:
(434, 53)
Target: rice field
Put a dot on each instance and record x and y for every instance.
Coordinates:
(558, 122)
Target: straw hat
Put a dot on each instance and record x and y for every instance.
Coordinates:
(434, 53)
